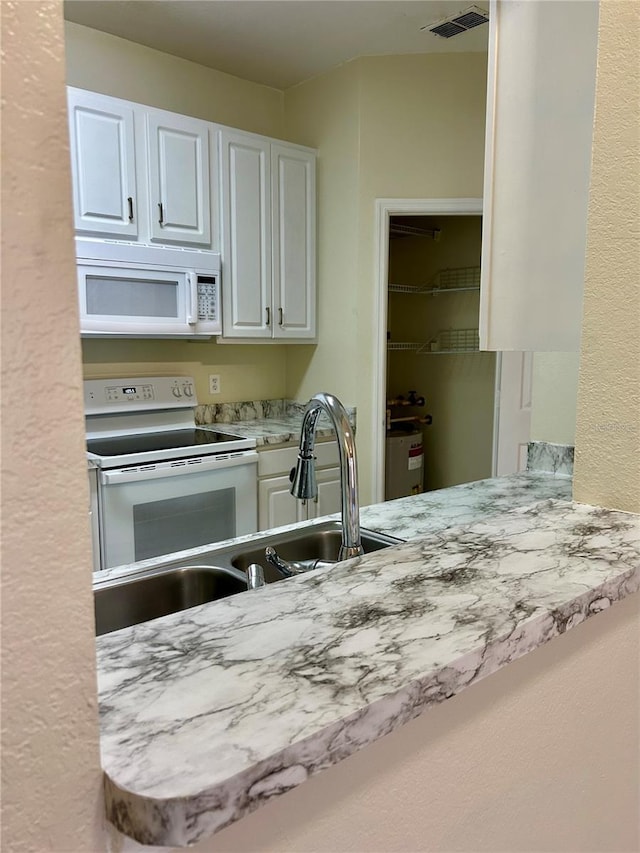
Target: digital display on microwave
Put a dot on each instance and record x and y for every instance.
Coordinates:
(129, 390)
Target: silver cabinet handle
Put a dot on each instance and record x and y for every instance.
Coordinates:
(268, 316)
(280, 317)
(161, 209)
(130, 203)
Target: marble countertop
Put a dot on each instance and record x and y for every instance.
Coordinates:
(268, 431)
(208, 713)
(269, 422)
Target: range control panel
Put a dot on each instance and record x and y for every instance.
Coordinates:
(104, 396)
(128, 393)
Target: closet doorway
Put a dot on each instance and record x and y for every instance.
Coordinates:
(432, 381)
(438, 383)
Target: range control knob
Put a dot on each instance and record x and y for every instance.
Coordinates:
(188, 390)
(176, 391)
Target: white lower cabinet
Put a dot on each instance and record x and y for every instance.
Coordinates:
(276, 505)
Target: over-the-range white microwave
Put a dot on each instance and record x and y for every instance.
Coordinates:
(132, 290)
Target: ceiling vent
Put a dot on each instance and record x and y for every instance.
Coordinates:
(459, 23)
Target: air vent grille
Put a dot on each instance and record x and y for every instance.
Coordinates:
(459, 23)
(447, 30)
(470, 20)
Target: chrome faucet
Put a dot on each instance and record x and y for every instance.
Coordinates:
(303, 476)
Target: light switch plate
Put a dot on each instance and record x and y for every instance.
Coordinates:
(214, 383)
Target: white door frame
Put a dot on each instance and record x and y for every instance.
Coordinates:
(386, 208)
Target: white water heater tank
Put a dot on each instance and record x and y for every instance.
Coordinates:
(404, 471)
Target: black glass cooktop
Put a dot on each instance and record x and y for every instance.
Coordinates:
(141, 443)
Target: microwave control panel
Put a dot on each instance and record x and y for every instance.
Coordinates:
(207, 298)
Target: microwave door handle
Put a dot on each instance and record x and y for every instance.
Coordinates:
(192, 299)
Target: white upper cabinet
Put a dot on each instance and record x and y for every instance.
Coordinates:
(105, 200)
(142, 174)
(178, 162)
(541, 87)
(293, 194)
(148, 175)
(268, 228)
(246, 235)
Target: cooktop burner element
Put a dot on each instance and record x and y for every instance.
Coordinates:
(147, 420)
(145, 442)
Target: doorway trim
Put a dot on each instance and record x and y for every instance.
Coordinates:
(385, 209)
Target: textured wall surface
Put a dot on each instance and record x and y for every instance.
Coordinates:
(51, 778)
(607, 466)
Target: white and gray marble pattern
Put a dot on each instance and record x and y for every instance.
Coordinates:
(207, 714)
(553, 458)
(269, 422)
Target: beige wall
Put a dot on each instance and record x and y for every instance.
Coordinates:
(554, 394)
(51, 781)
(246, 372)
(415, 127)
(607, 470)
(325, 113)
(114, 66)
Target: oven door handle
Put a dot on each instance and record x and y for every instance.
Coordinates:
(177, 468)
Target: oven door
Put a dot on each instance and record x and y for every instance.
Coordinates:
(155, 509)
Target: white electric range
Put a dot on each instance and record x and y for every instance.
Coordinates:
(163, 483)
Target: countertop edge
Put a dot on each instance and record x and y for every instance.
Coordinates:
(184, 821)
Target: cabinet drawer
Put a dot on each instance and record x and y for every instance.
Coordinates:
(282, 460)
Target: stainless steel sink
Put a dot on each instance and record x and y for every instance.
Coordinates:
(144, 596)
(321, 542)
(176, 585)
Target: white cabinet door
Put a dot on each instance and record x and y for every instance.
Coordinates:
(293, 236)
(246, 226)
(540, 100)
(276, 504)
(328, 493)
(179, 194)
(101, 132)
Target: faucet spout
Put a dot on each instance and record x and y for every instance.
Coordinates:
(304, 485)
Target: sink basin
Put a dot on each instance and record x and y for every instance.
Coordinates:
(130, 600)
(320, 542)
(173, 586)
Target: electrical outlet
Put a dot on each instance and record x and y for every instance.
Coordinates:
(214, 383)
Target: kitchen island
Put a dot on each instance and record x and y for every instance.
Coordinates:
(209, 713)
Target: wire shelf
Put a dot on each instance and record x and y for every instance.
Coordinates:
(445, 281)
(445, 342)
(406, 347)
(453, 341)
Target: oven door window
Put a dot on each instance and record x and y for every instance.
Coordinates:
(174, 524)
(143, 518)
